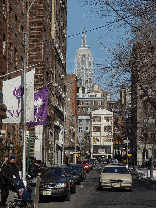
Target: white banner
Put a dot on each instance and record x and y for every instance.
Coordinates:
(13, 98)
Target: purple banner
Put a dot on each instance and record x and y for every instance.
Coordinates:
(40, 108)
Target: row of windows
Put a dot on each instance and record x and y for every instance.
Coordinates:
(98, 128)
(104, 119)
(81, 129)
(87, 121)
(90, 103)
(84, 109)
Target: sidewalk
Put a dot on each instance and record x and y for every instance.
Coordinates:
(144, 173)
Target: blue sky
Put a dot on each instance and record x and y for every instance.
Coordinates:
(75, 24)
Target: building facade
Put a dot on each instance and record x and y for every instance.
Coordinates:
(102, 133)
(143, 100)
(84, 64)
(71, 139)
(46, 54)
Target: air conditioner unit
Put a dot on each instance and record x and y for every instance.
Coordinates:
(62, 76)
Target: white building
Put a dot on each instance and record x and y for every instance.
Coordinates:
(84, 64)
(102, 133)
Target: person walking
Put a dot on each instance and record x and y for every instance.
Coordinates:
(34, 171)
(8, 170)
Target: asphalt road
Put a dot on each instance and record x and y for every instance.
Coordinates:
(88, 195)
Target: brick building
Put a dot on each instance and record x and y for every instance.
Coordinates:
(71, 115)
(47, 55)
(3, 61)
(143, 100)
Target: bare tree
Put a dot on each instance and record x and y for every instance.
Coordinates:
(132, 62)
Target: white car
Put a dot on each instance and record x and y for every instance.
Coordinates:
(115, 176)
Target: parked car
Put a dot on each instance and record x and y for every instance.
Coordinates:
(78, 172)
(92, 162)
(71, 178)
(86, 164)
(115, 176)
(54, 182)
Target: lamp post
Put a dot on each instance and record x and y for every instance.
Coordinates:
(24, 113)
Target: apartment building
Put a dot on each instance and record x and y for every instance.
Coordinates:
(102, 133)
(87, 102)
(49, 62)
(71, 116)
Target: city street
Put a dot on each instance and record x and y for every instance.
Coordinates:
(88, 195)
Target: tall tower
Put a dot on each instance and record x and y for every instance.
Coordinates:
(84, 63)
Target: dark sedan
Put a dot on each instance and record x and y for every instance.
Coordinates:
(78, 172)
(71, 178)
(54, 182)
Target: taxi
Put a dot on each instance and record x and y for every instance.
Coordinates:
(115, 176)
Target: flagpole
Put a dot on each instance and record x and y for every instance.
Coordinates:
(24, 113)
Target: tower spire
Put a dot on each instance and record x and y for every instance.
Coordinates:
(84, 35)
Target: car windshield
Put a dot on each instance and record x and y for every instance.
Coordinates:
(84, 162)
(52, 172)
(68, 171)
(74, 167)
(122, 170)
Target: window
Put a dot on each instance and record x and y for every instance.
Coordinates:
(107, 128)
(15, 57)
(99, 102)
(10, 53)
(4, 11)
(116, 130)
(86, 128)
(85, 102)
(22, 34)
(96, 119)
(87, 120)
(15, 25)
(80, 121)
(96, 128)
(88, 109)
(116, 119)
(83, 90)
(4, 44)
(123, 119)
(93, 102)
(83, 109)
(107, 119)
(78, 109)
(80, 129)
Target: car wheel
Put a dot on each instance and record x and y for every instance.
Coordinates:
(130, 190)
(30, 205)
(68, 196)
(84, 177)
(73, 191)
(10, 205)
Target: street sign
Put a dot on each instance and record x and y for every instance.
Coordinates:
(129, 155)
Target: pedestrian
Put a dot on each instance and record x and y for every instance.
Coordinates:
(34, 171)
(9, 169)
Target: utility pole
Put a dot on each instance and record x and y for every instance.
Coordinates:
(127, 152)
(24, 114)
(63, 133)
